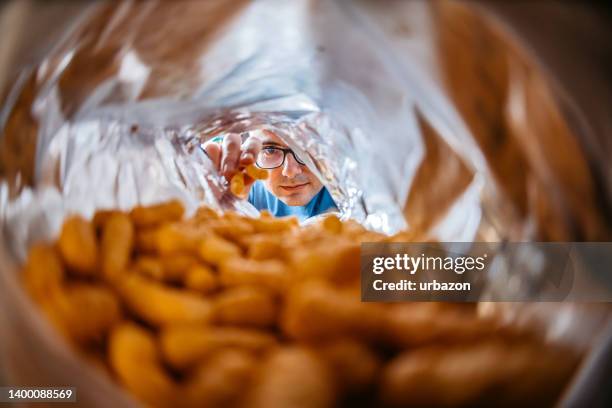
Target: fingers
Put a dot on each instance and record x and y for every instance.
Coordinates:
(233, 156)
(213, 151)
(250, 150)
(230, 155)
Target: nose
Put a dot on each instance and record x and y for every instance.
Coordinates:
(291, 168)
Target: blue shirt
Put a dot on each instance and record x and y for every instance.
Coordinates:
(262, 199)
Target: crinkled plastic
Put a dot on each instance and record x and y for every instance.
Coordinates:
(415, 115)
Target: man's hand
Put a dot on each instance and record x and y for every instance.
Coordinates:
(232, 156)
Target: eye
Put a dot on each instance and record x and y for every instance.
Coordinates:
(269, 151)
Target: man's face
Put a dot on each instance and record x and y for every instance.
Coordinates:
(292, 183)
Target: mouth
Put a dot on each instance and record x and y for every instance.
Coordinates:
(294, 187)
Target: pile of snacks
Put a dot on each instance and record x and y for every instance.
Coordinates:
(224, 310)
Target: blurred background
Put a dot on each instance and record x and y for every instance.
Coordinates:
(570, 37)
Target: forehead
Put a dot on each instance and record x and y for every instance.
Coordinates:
(268, 137)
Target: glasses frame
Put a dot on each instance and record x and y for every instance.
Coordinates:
(285, 151)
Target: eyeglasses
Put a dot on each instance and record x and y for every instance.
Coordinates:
(271, 157)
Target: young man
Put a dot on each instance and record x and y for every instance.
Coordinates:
(290, 189)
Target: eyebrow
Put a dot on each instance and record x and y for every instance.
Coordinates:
(271, 143)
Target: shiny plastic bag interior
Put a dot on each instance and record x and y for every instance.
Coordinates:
(415, 115)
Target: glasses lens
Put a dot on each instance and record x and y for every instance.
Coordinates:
(270, 157)
(297, 158)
